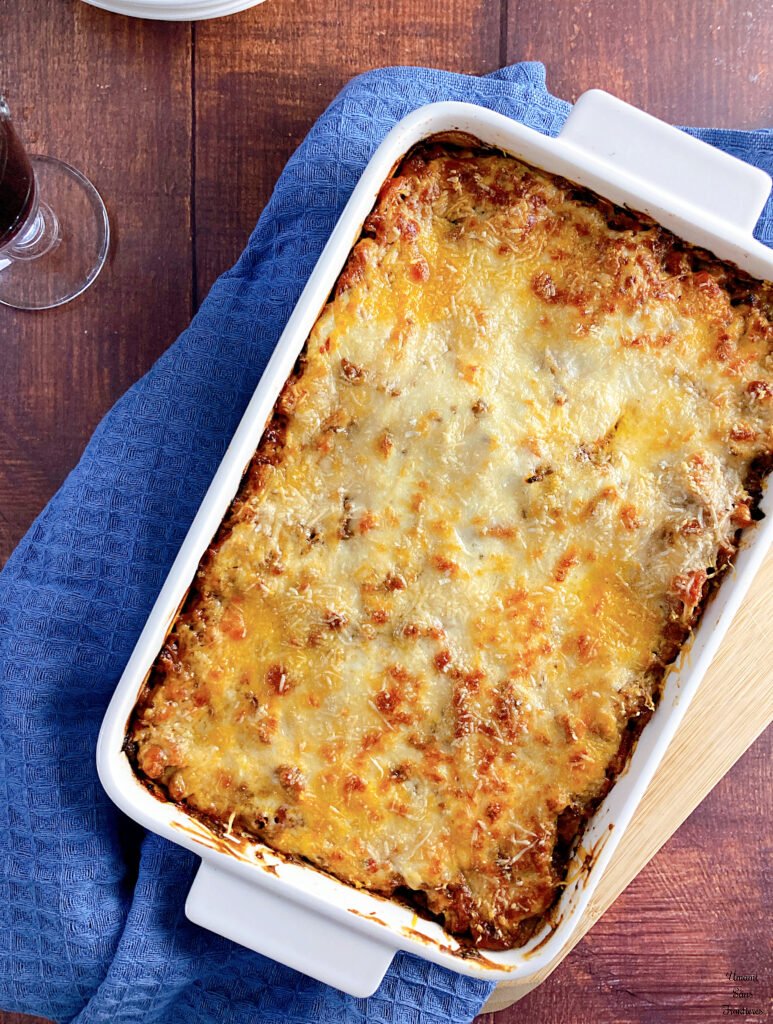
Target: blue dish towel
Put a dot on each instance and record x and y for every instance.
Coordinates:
(91, 909)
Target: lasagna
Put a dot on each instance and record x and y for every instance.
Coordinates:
(513, 459)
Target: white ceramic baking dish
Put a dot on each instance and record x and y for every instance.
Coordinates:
(291, 911)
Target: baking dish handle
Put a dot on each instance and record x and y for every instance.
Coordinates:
(285, 930)
(617, 134)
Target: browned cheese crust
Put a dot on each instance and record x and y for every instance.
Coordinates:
(513, 458)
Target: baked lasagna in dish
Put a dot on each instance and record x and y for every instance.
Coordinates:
(513, 459)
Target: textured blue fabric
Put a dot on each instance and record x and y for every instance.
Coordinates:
(91, 909)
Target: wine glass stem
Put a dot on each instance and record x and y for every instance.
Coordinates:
(40, 237)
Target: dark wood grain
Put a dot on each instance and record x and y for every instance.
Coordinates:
(705, 62)
(185, 129)
(112, 96)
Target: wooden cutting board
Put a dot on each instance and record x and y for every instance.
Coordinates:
(731, 708)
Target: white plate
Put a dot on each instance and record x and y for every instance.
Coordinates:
(174, 10)
(316, 924)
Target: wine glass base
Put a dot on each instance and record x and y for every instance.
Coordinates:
(72, 264)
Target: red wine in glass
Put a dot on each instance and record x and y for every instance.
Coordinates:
(17, 183)
(54, 231)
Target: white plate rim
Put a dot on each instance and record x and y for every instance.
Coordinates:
(174, 10)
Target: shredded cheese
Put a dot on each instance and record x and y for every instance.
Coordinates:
(480, 524)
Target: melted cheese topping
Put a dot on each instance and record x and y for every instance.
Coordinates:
(479, 526)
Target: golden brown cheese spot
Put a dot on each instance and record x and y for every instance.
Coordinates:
(503, 531)
(385, 443)
(420, 270)
(232, 623)
(518, 446)
(391, 704)
(368, 521)
(353, 784)
(442, 661)
(265, 729)
(494, 811)
(335, 620)
(510, 712)
(201, 695)
(544, 286)
(587, 647)
(630, 517)
(278, 679)
(351, 372)
(742, 432)
(760, 390)
(291, 779)
(565, 564)
(446, 565)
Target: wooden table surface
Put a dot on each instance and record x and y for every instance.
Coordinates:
(184, 129)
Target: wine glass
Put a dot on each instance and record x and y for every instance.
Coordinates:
(54, 231)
